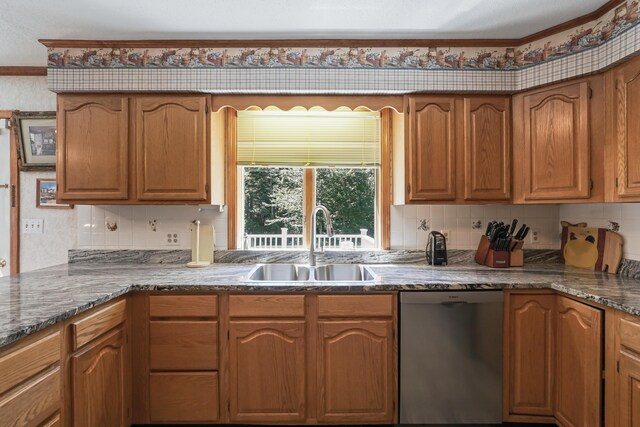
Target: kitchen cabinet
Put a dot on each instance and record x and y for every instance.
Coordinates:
(626, 343)
(171, 147)
(559, 136)
(136, 149)
(578, 388)
(529, 356)
(267, 370)
(457, 149)
(93, 147)
(430, 169)
(98, 382)
(355, 371)
(626, 127)
(487, 148)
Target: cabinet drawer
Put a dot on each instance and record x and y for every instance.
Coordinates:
(183, 306)
(355, 305)
(184, 345)
(96, 324)
(629, 333)
(17, 366)
(53, 422)
(266, 305)
(33, 403)
(183, 397)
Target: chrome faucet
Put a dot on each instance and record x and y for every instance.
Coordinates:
(312, 245)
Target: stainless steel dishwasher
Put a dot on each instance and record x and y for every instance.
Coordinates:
(451, 357)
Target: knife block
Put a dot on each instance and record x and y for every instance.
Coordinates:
(498, 259)
(482, 251)
(517, 254)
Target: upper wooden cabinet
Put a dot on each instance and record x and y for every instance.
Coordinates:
(93, 147)
(556, 143)
(119, 149)
(171, 147)
(626, 127)
(456, 149)
(487, 148)
(430, 149)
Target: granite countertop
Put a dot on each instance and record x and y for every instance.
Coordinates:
(31, 301)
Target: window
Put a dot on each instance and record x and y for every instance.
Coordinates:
(289, 162)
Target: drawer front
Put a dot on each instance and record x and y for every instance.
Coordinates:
(17, 366)
(183, 345)
(183, 397)
(96, 324)
(266, 306)
(53, 422)
(629, 334)
(183, 306)
(33, 403)
(355, 305)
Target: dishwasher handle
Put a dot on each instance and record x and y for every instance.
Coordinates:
(452, 297)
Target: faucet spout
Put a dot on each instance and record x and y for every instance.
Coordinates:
(312, 244)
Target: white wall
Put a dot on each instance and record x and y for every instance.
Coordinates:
(135, 232)
(49, 248)
(457, 219)
(627, 215)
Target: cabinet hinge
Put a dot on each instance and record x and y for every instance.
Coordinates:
(229, 406)
(408, 188)
(13, 196)
(618, 366)
(228, 335)
(604, 374)
(206, 109)
(408, 109)
(616, 182)
(206, 188)
(591, 184)
(590, 93)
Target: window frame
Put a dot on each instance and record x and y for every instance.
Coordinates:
(234, 193)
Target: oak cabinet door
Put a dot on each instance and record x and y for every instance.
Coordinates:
(267, 371)
(355, 371)
(530, 360)
(487, 148)
(171, 148)
(578, 364)
(93, 147)
(627, 110)
(628, 406)
(98, 380)
(431, 158)
(556, 143)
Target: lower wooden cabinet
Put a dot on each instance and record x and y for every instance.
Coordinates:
(529, 334)
(98, 383)
(355, 371)
(578, 364)
(267, 371)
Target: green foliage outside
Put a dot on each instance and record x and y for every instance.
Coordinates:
(273, 199)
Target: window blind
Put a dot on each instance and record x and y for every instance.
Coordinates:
(308, 138)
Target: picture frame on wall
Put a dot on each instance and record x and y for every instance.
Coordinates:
(36, 132)
(46, 192)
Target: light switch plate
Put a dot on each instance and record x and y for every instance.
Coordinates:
(33, 226)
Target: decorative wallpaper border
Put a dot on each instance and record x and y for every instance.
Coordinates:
(559, 45)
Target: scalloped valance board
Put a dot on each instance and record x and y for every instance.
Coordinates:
(582, 50)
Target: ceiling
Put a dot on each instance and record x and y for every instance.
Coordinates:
(23, 22)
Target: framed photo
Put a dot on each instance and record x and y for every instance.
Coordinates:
(36, 133)
(46, 191)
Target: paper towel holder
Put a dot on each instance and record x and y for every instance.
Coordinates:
(197, 263)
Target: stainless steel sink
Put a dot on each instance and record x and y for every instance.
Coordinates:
(305, 273)
(343, 273)
(280, 273)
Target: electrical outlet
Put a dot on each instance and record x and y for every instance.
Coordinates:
(33, 226)
(447, 235)
(534, 237)
(173, 239)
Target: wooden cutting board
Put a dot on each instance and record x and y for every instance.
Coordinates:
(592, 248)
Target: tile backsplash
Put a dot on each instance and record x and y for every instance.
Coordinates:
(145, 227)
(410, 224)
(624, 216)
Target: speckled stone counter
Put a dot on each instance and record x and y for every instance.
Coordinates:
(31, 301)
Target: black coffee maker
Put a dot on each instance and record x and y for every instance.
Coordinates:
(437, 249)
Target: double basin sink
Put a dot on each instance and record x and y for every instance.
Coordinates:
(305, 273)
